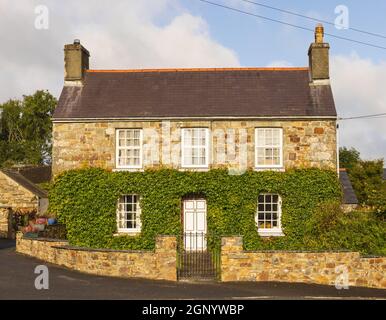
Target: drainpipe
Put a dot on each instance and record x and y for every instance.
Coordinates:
(337, 148)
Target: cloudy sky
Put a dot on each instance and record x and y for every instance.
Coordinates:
(189, 33)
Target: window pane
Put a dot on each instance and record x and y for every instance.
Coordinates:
(268, 137)
(129, 143)
(268, 211)
(276, 137)
(268, 149)
(268, 153)
(260, 137)
(194, 144)
(128, 212)
(187, 137)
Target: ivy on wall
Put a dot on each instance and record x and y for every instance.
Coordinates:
(86, 201)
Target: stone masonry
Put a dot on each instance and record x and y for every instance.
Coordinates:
(13, 197)
(159, 264)
(307, 267)
(236, 265)
(92, 144)
(4, 222)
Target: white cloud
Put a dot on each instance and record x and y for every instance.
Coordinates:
(359, 89)
(126, 34)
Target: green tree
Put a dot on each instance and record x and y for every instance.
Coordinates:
(26, 129)
(366, 178)
(348, 158)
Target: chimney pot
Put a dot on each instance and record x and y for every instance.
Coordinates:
(319, 33)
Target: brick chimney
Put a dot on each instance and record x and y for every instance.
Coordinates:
(76, 61)
(319, 58)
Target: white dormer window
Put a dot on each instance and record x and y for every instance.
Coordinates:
(195, 148)
(129, 148)
(268, 148)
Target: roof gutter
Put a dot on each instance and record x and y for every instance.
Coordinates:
(117, 119)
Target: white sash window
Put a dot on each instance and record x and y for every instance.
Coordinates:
(269, 147)
(129, 148)
(129, 214)
(195, 147)
(268, 215)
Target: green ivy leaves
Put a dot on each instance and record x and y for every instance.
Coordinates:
(85, 200)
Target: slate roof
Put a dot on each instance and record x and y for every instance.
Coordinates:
(36, 174)
(240, 92)
(349, 196)
(24, 182)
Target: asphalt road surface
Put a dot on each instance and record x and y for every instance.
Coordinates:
(17, 280)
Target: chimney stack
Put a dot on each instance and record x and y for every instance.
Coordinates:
(319, 58)
(76, 62)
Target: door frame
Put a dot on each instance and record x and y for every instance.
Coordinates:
(194, 198)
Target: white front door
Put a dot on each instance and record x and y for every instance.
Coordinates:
(195, 224)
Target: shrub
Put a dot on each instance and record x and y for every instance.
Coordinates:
(329, 228)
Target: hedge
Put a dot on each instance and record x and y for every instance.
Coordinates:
(85, 200)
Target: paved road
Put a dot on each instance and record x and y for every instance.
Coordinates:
(17, 282)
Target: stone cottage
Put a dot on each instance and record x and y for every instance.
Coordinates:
(19, 193)
(196, 119)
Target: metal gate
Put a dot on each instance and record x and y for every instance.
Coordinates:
(198, 256)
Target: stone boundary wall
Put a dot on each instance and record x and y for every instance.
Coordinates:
(5, 231)
(307, 267)
(159, 264)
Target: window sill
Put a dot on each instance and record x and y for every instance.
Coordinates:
(128, 170)
(127, 233)
(202, 169)
(279, 169)
(270, 233)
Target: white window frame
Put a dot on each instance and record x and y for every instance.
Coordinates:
(280, 165)
(117, 148)
(138, 227)
(270, 232)
(207, 146)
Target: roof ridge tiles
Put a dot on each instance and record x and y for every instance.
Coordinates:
(197, 69)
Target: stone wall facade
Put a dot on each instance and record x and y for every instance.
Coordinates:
(81, 144)
(307, 267)
(15, 196)
(159, 264)
(5, 228)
